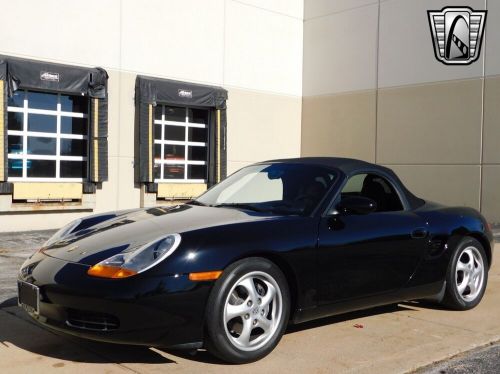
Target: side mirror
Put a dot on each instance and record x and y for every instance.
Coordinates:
(356, 205)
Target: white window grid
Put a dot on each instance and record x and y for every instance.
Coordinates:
(24, 156)
(186, 143)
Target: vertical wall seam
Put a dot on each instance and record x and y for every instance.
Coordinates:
(376, 83)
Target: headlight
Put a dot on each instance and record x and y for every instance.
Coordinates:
(126, 264)
(63, 232)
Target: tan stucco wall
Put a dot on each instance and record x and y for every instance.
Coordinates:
(262, 126)
(437, 123)
(446, 184)
(372, 89)
(491, 134)
(339, 124)
(430, 134)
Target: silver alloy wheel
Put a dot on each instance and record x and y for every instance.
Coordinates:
(469, 274)
(253, 311)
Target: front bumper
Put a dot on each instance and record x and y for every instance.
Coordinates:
(146, 310)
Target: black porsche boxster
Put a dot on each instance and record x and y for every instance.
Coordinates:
(277, 242)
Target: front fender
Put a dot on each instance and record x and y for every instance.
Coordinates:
(290, 242)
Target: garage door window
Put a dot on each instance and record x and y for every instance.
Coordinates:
(47, 137)
(180, 144)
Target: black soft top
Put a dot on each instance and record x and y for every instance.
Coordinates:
(346, 165)
(349, 166)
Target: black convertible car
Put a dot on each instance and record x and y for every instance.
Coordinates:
(276, 242)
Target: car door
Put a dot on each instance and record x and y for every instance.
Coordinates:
(362, 255)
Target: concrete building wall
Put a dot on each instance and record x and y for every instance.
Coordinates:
(340, 77)
(252, 48)
(374, 90)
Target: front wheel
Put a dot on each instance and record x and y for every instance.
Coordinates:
(467, 275)
(247, 311)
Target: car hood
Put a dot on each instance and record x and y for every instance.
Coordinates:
(135, 228)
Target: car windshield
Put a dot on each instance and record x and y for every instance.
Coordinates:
(281, 188)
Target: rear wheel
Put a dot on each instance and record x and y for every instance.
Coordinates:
(467, 275)
(248, 311)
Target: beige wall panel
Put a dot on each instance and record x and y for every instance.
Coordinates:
(340, 52)
(490, 204)
(45, 221)
(445, 184)
(491, 137)
(262, 126)
(60, 30)
(126, 117)
(263, 50)
(114, 109)
(120, 192)
(436, 123)
(339, 125)
(107, 196)
(318, 8)
(406, 52)
(292, 8)
(31, 190)
(128, 196)
(492, 33)
(233, 166)
(181, 39)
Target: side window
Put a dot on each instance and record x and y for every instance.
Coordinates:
(376, 188)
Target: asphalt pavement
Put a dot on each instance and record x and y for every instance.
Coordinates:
(484, 360)
(14, 249)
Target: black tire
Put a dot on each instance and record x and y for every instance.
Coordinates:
(217, 340)
(452, 298)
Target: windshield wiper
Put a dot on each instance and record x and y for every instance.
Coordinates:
(240, 205)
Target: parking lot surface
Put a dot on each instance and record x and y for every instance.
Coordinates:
(393, 339)
(484, 360)
(14, 249)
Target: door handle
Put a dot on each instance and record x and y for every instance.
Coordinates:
(419, 233)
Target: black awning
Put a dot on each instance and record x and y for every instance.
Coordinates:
(155, 90)
(37, 75)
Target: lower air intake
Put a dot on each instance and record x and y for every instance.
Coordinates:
(92, 321)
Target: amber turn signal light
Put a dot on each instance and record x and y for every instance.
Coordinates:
(205, 276)
(113, 272)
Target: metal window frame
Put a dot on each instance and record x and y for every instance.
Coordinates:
(24, 156)
(186, 143)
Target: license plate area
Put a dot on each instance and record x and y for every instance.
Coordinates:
(28, 297)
